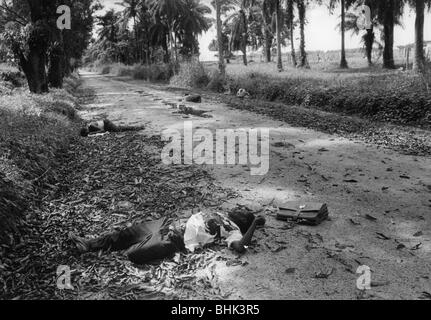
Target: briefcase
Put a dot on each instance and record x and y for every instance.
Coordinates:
(310, 213)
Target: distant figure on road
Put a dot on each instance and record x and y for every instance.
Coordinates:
(103, 126)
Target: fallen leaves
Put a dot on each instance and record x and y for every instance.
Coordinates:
(324, 274)
(98, 193)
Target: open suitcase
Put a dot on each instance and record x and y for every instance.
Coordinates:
(310, 213)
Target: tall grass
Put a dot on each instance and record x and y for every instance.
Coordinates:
(34, 131)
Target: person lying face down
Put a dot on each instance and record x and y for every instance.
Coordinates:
(106, 125)
(156, 240)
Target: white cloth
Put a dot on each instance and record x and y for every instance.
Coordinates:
(197, 232)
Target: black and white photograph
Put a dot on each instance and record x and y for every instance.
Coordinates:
(228, 152)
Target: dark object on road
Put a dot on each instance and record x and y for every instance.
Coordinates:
(309, 213)
(193, 98)
(106, 126)
(194, 112)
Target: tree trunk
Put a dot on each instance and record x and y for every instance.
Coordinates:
(34, 64)
(244, 38)
(343, 63)
(244, 55)
(291, 30)
(166, 57)
(388, 29)
(266, 33)
(278, 28)
(55, 69)
(221, 65)
(171, 41)
(301, 12)
(419, 61)
(369, 42)
(34, 70)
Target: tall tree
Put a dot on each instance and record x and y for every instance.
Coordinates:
(266, 11)
(278, 26)
(388, 29)
(291, 24)
(419, 61)
(29, 38)
(343, 63)
(344, 5)
(168, 11)
(221, 65)
(130, 11)
(193, 22)
(388, 13)
(238, 21)
(302, 8)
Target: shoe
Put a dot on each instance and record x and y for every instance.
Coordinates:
(80, 243)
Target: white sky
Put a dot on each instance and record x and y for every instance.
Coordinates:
(321, 32)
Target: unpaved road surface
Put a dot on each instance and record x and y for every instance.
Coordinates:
(379, 202)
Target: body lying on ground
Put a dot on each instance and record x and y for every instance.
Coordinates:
(153, 241)
(106, 125)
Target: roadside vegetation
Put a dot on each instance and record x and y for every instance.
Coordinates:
(393, 96)
(35, 132)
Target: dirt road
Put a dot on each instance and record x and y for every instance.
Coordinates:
(379, 202)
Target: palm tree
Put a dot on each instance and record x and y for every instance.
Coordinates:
(302, 7)
(266, 29)
(344, 4)
(388, 12)
(159, 36)
(419, 61)
(192, 23)
(278, 23)
(343, 63)
(168, 11)
(145, 22)
(131, 8)
(239, 25)
(221, 65)
(369, 38)
(291, 23)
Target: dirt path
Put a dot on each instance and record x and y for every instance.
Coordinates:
(379, 202)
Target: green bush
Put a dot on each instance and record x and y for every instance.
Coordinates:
(154, 72)
(217, 83)
(191, 75)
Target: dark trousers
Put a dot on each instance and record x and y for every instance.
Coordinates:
(144, 242)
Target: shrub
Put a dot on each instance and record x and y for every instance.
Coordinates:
(154, 72)
(105, 70)
(217, 83)
(191, 75)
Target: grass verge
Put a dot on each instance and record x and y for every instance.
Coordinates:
(35, 131)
